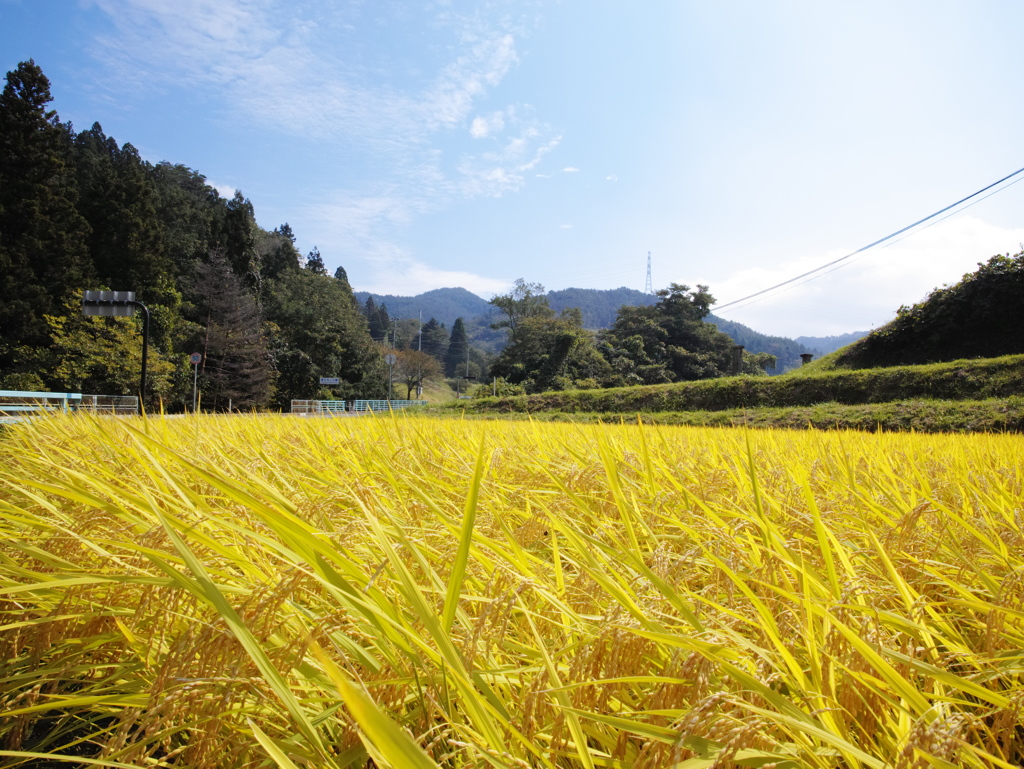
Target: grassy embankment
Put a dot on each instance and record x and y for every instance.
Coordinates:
(263, 591)
(966, 395)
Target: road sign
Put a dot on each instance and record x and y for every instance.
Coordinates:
(330, 380)
(111, 303)
(390, 359)
(195, 358)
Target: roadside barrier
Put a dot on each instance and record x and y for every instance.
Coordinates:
(336, 408)
(16, 405)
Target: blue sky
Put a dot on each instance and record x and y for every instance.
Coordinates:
(454, 143)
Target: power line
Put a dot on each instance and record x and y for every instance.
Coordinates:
(737, 305)
(865, 248)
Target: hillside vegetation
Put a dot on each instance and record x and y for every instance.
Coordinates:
(79, 211)
(955, 381)
(982, 316)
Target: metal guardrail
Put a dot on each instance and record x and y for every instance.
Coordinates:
(110, 404)
(385, 405)
(19, 404)
(328, 408)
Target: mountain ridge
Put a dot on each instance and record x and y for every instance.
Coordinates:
(599, 308)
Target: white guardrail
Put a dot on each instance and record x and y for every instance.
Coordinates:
(16, 405)
(329, 408)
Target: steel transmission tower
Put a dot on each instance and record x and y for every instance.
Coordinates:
(648, 286)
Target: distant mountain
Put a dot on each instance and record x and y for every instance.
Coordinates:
(444, 304)
(599, 308)
(823, 345)
(787, 351)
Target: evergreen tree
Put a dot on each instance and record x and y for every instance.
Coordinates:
(190, 213)
(118, 199)
(43, 254)
(458, 350)
(340, 274)
(376, 325)
(369, 309)
(435, 339)
(239, 240)
(383, 325)
(279, 253)
(315, 262)
(404, 334)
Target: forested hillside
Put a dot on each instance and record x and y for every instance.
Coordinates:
(786, 351)
(599, 308)
(444, 304)
(979, 317)
(80, 211)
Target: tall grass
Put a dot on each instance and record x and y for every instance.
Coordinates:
(266, 591)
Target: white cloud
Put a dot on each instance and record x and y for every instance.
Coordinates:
(224, 190)
(482, 127)
(479, 128)
(565, 226)
(408, 277)
(570, 170)
(352, 225)
(867, 291)
(611, 178)
(468, 77)
(280, 66)
(503, 170)
(287, 68)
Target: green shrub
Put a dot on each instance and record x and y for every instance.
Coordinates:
(954, 381)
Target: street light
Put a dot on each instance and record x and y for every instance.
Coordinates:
(120, 304)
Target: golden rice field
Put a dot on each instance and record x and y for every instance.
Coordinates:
(407, 592)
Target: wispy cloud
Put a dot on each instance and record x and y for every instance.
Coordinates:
(468, 77)
(504, 169)
(408, 277)
(304, 70)
(356, 224)
(570, 170)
